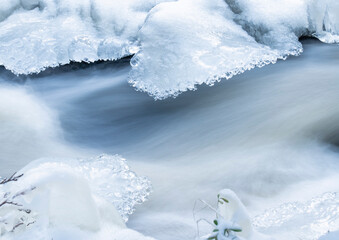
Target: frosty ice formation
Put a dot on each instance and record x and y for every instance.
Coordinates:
(177, 45)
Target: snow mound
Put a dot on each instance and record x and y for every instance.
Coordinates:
(59, 199)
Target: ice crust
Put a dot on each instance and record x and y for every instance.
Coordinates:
(72, 199)
(36, 34)
(177, 44)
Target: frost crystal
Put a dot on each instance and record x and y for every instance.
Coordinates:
(111, 178)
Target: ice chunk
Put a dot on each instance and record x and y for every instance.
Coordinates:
(111, 178)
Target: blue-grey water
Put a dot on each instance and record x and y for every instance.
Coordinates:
(270, 134)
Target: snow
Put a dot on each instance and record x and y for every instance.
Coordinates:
(64, 199)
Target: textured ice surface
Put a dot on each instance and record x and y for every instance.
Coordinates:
(192, 42)
(309, 220)
(178, 44)
(188, 42)
(39, 34)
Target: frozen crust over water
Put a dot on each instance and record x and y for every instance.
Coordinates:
(177, 44)
(36, 34)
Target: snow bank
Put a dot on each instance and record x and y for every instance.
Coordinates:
(178, 44)
(59, 199)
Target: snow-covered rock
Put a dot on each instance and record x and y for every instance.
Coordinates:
(60, 200)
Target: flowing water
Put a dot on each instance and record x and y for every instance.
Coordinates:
(270, 134)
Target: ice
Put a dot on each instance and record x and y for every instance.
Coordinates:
(307, 220)
(40, 34)
(188, 42)
(72, 199)
(112, 179)
(325, 20)
(177, 44)
(273, 23)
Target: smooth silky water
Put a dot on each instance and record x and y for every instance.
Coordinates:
(270, 134)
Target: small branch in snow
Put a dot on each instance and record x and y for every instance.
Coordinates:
(12, 178)
(18, 215)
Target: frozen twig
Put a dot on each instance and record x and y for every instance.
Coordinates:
(12, 178)
(222, 229)
(12, 199)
